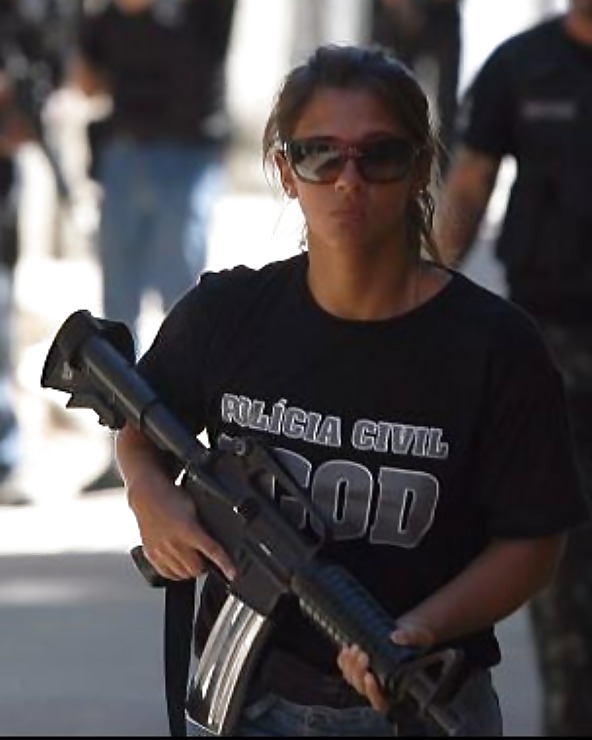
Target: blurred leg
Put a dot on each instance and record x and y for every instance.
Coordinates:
(388, 30)
(188, 181)
(562, 627)
(562, 615)
(121, 246)
(122, 253)
(10, 433)
(442, 42)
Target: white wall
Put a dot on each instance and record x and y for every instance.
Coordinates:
(265, 43)
(488, 22)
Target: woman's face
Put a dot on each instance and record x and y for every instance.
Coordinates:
(351, 212)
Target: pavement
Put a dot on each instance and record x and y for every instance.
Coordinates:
(80, 632)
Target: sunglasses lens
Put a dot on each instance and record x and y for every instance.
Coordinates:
(387, 160)
(383, 160)
(316, 161)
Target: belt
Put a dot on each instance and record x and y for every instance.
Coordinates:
(285, 675)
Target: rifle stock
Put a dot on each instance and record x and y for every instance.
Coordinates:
(93, 360)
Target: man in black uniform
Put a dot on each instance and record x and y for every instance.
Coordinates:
(532, 100)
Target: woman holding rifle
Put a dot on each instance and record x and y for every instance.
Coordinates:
(422, 412)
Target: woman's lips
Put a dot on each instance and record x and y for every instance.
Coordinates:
(349, 213)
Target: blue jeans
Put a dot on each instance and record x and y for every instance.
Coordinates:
(9, 429)
(476, 706)
(156, 205)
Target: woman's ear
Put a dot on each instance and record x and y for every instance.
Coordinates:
(421, 175)
(286, 175)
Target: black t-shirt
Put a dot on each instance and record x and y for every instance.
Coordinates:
(532, 100)
(421, 437)
(165, 65)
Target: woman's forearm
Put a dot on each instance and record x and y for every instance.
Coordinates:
(138, 460)
(505, 576)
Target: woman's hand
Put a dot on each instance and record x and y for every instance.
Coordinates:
(354, 662)
(354, 665)
(172, 538)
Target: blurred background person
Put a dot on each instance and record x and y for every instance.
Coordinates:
(532, 101)
(427, 36)
(159, 155)
(31, 66)
(12, 133)
(313, 23)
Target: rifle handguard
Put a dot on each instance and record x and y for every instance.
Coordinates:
(342, 608)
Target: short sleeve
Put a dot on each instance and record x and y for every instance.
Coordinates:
(174, 363)
(180, 357)
(485, 120)
(528, 478)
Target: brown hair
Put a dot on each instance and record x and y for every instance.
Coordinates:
(374, 70)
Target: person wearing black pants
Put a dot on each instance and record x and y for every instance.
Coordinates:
(431, 30)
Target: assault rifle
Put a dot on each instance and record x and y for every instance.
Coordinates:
(93, 360)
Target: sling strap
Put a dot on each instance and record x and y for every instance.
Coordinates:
(178, 639)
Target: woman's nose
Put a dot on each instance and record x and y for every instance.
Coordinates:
(349, 176)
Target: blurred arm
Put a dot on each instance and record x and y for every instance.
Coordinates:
(85, 77)
(498, 582)
(15, 128)
(463, 201)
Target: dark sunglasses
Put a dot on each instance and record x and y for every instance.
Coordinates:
(388, 159)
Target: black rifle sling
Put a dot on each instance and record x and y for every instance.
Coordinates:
(178, 640)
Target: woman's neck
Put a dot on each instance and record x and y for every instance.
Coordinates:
(363, 289)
